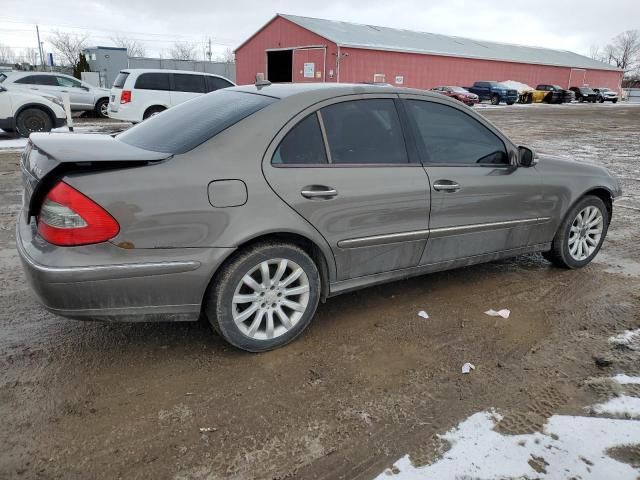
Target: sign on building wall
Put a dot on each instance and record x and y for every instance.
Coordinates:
(309, 70)
(399, 79)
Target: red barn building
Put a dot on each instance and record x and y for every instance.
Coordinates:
(290, 48)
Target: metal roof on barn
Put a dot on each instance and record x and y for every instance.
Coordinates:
(346, 34)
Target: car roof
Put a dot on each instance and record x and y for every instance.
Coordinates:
(24, 73)
(162, 70)
(283, 90)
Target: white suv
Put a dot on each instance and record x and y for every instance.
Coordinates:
(138, 94)
(25, 113)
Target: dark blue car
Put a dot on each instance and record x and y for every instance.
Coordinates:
(495, 92)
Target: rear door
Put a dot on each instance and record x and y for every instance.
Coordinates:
(344, 167)
(186, 86)
(480, 202)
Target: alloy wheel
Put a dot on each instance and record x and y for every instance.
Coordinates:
(585, 233)
(270, 299)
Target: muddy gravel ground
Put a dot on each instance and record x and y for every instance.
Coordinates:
(367, 383)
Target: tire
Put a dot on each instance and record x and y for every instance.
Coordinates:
(252, 333)
(581, 100)
(151, 111)
(510, 103)
(560, 253)
(32, 120)
(102, 108)
(615, 101)
(495, 99)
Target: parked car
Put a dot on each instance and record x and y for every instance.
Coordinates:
(137, 94)
(23, 113)
(584, 94)
(606, 95)
(495, 92)
(229, 206)
(556, 93)
(525, 92)
(459, 93)
(82, 96)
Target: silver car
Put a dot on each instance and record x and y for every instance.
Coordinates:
(82, 95)
(249, 205)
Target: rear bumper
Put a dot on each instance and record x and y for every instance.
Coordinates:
(106, 282)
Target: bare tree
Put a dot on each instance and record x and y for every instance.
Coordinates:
(30, 56)
(626, 50)
(7, 55)
(183, 51)
(595, 52)
(227, 56)
(135, 48)
(69, 46)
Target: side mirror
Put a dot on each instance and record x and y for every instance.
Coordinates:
(526, 157)
(84, 87)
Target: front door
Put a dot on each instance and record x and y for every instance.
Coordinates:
(481, 203)
(79, 97)
(309, 64)
(345, 169)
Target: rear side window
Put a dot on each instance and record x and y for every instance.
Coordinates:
(191, 123)
(67, 82)
(216, 83)
(185, 82)
(303, 145)
(47, 80)
(448, 135)
(120, 80)
(364, 132)
(153, 81)
(3, 77)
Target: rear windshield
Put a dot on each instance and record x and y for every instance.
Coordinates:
(120, 79)
(189, 124)
(2, 77)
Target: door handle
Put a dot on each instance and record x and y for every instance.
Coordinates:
(446, 186)
(33, 88)
(64, 91)
(317, 191)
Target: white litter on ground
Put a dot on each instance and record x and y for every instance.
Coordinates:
(207, 429)
(504, 313)
(467, 367)
(623, 379)
(623, 406)
(478, 452)
(629, 338)
(423, 314)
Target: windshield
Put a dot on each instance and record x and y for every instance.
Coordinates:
(120, 79)
(189, 124)
(586, 90)
(458, 90)
(501, 85)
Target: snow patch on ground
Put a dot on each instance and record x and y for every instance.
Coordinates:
(622, 406)
(478, 452)
(624, 379)
(629, 338)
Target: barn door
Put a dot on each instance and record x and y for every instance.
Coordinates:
(308, 64)
(577, 77)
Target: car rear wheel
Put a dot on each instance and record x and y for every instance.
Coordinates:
(580, 236)
(102, 108)
(265, 297)
(151, 111)
(615, 101)
(495, 99)
(33, 120)
(510, 103)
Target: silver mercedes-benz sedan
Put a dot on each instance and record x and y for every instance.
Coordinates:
(251, 204)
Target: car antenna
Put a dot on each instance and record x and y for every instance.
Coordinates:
(261, 82)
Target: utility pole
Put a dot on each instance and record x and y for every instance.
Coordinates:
(40, 48)
(209, 50)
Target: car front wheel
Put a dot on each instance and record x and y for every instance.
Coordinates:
(495, 100)
(580, 234)
(265, 297)
(32, 120)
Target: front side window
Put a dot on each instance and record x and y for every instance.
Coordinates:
(185, 82)
(67, 82)
(303, 145)
(153, 81)
(364, 132)
(446, 135)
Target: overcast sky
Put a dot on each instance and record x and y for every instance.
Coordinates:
(562, 24)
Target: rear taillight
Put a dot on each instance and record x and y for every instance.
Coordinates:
(125, 96)
(69, 218)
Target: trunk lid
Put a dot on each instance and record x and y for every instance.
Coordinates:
(48, 155)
